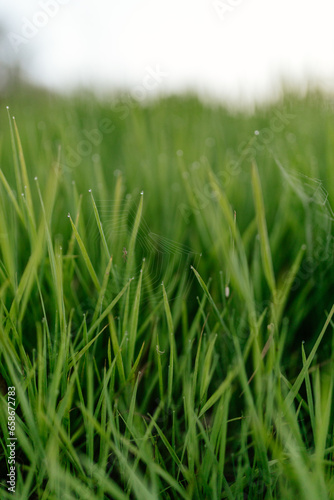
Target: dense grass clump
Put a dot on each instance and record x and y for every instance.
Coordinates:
(166, 278)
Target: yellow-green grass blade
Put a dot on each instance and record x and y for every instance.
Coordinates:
(172, 347)
(131, 251)
(224, 386)
(55, 263)
(206, 374)
(107, 310)
(134, 322)
(15, 156)
(99, 225)
(6, 244)
(136, 363)
(207, 293)
(26, 183)
(301, 377)
(262, 228)
(116, 348)
(86, 258)
(30, 272)
(309, 393)
(284, 290)
(102, 293)
(12, 197)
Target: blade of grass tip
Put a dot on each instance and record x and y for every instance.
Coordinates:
(79, 354)
(224, 386)
(137, 481)
(262, 228)
(55, 264)
(172, 349)
(206, 376)
(194, 380)
(131, 412)
(309, 393)
(52, 187)
(87, 260)
(136, 363)
(130, 254)
(15, 156)
(258, 429)
(298, 382)
(99, 225)
(72, 239)
(25, 178)
(12, 197)
(108, 309)
(30, 272)
(90, 409)
(134, 322)
(100, 300)
(284, 291)
(116, 348)
(207, 293)
(6, 245)
(159, 353)
(170, 449)
(323, 389)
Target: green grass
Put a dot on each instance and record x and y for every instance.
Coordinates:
(166, 298)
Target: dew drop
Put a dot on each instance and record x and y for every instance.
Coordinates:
(7, 107)
(35, 178)
(68, 215)
(256, 132)
(89, 190)
(141, 192)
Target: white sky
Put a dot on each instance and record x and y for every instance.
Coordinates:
(241, 54)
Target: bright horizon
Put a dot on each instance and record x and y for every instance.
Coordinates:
(238, 50)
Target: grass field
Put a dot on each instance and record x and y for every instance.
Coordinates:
(166, 287)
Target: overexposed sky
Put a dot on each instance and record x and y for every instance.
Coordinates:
(236, 49)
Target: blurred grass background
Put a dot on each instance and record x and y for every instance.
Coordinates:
(186, 156)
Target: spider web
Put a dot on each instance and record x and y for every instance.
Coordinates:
(162, 259)
(319, 216)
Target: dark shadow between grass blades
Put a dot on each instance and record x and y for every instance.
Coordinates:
(162, 259)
